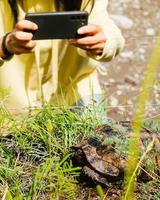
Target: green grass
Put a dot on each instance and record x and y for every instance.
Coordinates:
(35, 154)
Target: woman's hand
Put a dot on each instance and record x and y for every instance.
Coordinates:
(93, 41)
(18, 41)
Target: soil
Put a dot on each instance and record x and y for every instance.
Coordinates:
(139, 22)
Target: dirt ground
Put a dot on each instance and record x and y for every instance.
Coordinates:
(139, 22)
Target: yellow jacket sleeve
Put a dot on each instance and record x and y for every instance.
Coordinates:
(115, 40)
(1, 19)
(6, 20)
(6, 17)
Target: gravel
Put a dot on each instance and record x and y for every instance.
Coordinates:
(139, 22)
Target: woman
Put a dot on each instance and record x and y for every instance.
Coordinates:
(57, 71)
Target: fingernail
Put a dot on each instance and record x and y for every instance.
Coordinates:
(35, 26)
(80, 31)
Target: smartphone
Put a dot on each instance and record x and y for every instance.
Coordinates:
(57, 25)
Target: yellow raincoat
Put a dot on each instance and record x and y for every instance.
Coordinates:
(56, 71)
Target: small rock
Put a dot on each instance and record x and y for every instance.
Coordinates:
(142, 50)
(145, 13)
(122, 21)
(150, 32)
(121, 87)
(127, 55)
(136, 4)
(111, 80)
(119, 92)
(113, 101)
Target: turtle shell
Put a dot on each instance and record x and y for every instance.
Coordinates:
(103, 160)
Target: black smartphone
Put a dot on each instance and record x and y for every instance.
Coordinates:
(57, 25)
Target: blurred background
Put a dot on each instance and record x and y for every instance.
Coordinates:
(139, 21)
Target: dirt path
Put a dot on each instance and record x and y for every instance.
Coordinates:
(139, 22)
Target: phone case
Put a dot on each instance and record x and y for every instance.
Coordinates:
(57, 25)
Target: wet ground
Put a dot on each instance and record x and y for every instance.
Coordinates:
(139, 21)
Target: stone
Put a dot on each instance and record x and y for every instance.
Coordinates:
(122, 21)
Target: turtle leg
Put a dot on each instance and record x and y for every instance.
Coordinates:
(93, 177)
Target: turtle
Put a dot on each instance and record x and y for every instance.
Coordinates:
(101, 159)
(101, 164)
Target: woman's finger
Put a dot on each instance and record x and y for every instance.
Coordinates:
(89, 29)
(20, 35)
(89, 40)
(99, 46)
(95, 51)
(20, 50)
(28, 45)
(18, 46)
(26, 24)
